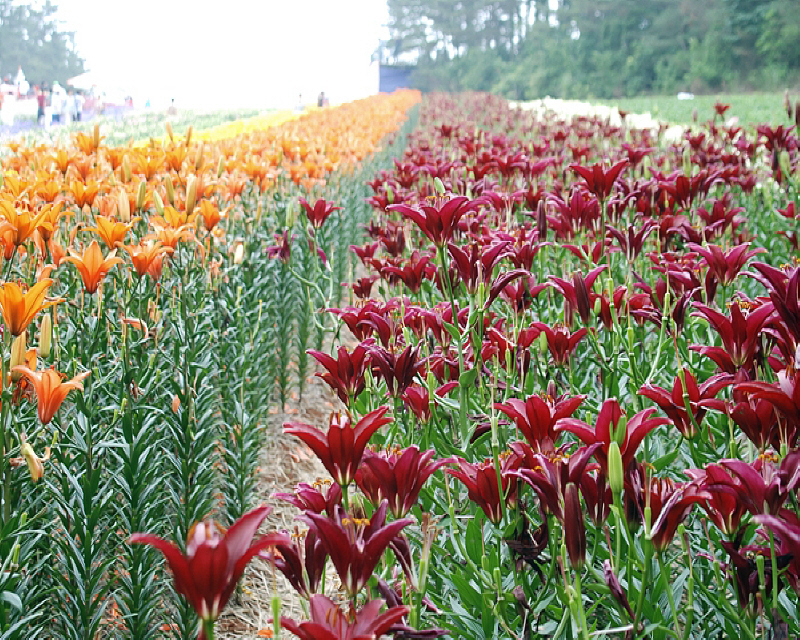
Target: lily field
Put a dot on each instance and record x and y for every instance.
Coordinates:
(564, 350)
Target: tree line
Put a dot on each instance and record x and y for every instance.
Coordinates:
(595, 48)
(31, 37)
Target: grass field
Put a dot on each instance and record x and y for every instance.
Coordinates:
(750, 108)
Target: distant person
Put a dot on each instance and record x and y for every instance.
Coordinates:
(322, 100)
(58, 101)
(41, 103)
(173, 110)
(300, 106)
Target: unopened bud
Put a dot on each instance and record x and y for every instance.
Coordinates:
(18, 353)
(389, 194)
(191, 194)
(159, 203)
(198, 160)
(238, 254)
(45, 335)
(169, 132)
(96, 136)
(170, 190)
(438, 185)
(188, 136)
(687, 162)
(618, 432)
(126, 169)
(616, 476)
(141, 194)
(220, 166)
(35, 465)
(598, 306)
(123, 206)
(542, 343)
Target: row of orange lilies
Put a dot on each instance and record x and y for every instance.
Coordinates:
(57, 205)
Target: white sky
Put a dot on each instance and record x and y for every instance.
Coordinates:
(230, 52)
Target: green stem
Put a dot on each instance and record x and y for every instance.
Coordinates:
(663, 567)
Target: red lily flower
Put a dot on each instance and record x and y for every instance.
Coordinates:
(475, 263)
(362, 287)
(724, 507)
(397, 370)
(438, 222)
(345, 374)
(307, 497)
(416, 269)
(560, 341)
(303, 565)
(341, 448)
(784, 395)
(700, 399)
(577, 294)
(670, 503)
(283, 248)
(612, 417)
(319, 213)
(581, 211)
(725, 266)
(397, 476)
(599, 181)
(480, 479)
(756, 417)
(740, 334)
(631, 241)
(417, 399)
(355, 545)
(759, 488)
(537, 417)
(784, 292)
(207, 573)
(557, 482)
(329, 622)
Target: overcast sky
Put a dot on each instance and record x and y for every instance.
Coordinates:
(230, 52)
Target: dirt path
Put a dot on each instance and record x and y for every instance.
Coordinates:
(284, 462)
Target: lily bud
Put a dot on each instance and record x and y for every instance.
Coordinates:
(575, 527)
(616, 477)
(687, 162)
(46, 335)
(159, 203)
(543, 343)
(598, 306)
(220, 166)
(618, 432)
(141, 194)
(389, 194)
(198, 160)
(169, 132)
(188, 136)
(96, 135)
(33, 461)
(170, 190)
(126, 169)
(18, 353)
(191, 194)
(123, 206)
(438, 185)
(238, 254)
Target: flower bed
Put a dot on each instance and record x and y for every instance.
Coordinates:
(146, 332)
(575, 363)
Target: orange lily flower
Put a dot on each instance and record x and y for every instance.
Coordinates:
(48, 190)
(143, 256)
(210, 213)
(15, 185)
(83, 167)
(111, 232)
(84, 192)
(50, 389)
(22, 221)
(92, 266)
(20, 308)
(49, 221)
(170, 237)
(85, 143)
(29, 457)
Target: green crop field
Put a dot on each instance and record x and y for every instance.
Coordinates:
(750, 108)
